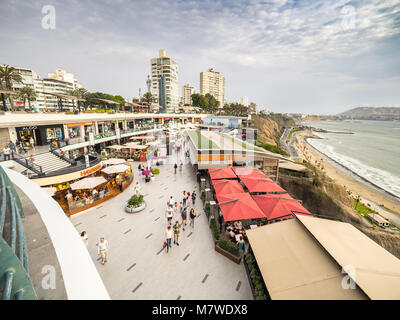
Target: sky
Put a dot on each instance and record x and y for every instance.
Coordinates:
(310, 56)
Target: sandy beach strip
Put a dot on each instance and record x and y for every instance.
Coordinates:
(357, 185)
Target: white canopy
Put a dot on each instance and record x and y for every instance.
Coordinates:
(116, 169)
(113, 161)
(88, 183)
(50, 190)
(132, 145)
(115, 146)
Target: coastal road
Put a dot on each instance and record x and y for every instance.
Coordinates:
(292, 147)
(394, 218)
(283, 140)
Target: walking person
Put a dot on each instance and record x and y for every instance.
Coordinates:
(6, 152)
(137, 189)
(171, 201)
(12, 147)
(176, 228)
(169, 213)
(85, 238)
(194, 195)
(180, 166)
(184, 199)
(32, 143)
(175, 167)
(168, 237)
(102, 250)
(192, 215)
(184, 218)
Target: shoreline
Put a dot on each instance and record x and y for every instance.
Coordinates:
(392, 195)
(352, 181)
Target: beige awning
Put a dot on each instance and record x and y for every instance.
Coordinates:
(132, 145)
(116, 169)
(116, 147)
(138, 138)
(294, 266)
(88, 183)
(113, 161)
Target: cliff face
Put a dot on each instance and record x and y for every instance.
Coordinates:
(271, 127)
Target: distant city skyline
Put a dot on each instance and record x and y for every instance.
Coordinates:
(316, 57)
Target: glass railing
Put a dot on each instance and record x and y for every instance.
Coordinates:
(14, 265)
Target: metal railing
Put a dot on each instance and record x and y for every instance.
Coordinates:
(15, 282)
(57, 152)
(28, 164)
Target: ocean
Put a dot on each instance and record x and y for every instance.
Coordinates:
(373, 151)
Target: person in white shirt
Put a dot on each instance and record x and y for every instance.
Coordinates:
(32, 143)
(6, 152)
(85, 238)
(137, 189)
(169, 213)
(102, 249)
(168, 237)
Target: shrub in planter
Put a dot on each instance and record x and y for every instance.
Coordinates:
(229, 246)
(135, 201)
(208, 209)
(215, 230)
(155, 171)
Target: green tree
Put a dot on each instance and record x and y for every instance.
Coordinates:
(8, 76)
(27, 93)
(200, 101)
(80, 93)
(213, 104)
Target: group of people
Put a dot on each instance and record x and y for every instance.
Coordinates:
(172, 211)
(236, 233)
(11, 148)
(85, 197)
(102, 246)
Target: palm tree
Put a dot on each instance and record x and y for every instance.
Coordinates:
(8, 76)
(27, 93)
(80, 93)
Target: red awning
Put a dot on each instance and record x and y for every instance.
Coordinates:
(261, 185)
(279, 206)
(249, 172)
(224, 186)
(222, 173)
(238, 206)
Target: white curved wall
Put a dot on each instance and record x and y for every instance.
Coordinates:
(81, 279)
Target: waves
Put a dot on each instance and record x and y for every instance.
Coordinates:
(379, 178)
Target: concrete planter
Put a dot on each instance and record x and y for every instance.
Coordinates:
(227, 254)
(135, 210)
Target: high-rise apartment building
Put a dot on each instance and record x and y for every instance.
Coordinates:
(187, 91)
(59, 82)
(168, 67)
(213, 82)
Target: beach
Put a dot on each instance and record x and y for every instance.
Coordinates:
(369, 194)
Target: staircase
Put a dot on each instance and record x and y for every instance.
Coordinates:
(50, 162)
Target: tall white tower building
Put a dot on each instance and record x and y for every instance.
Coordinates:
(168, 67)
(213, 82)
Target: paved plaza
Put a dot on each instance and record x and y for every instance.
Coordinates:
(138, 268)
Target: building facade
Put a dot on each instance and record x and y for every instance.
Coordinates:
(187, 91)
(59, 82)
(213, 82)
(168, 67)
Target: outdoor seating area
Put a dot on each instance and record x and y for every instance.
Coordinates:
(247, 196)
(81, 194)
